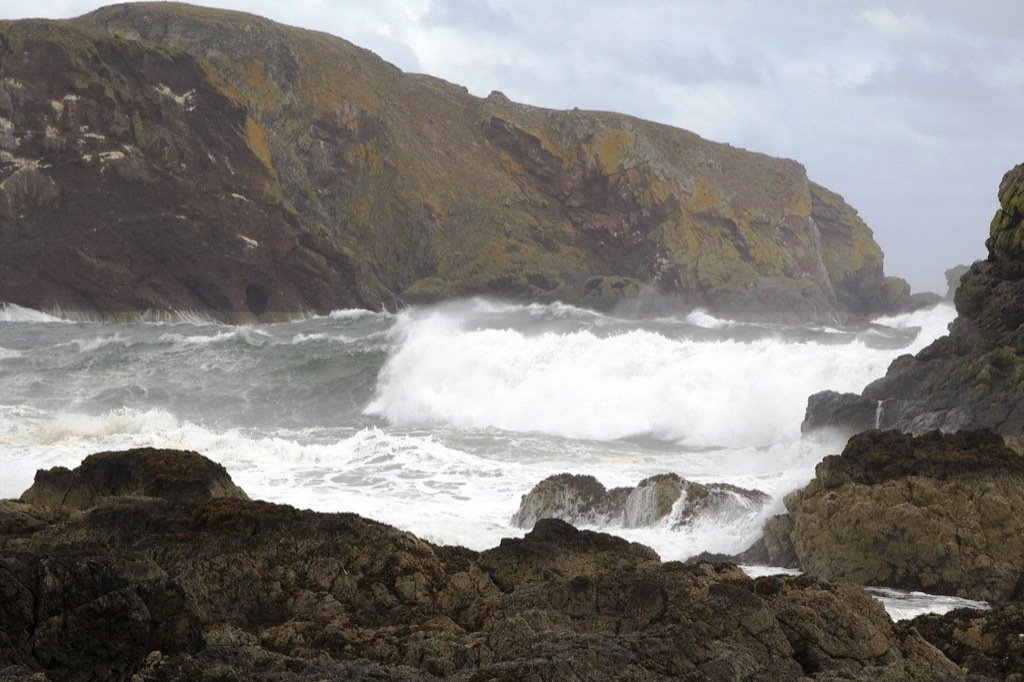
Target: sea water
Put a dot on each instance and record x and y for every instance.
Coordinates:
(437, 420)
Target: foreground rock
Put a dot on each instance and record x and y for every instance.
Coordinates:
(223, 588)
(983, 643)
(940, 513)
(658, 499)
(157, 155)
(971, 378)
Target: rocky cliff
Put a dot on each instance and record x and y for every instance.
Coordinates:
(971, 378)
(157, 155)
(136, 582)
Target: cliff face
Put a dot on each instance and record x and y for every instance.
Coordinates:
(162, 155)
(974, 376)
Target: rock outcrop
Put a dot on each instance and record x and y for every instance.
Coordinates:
(972, 378)
(665, 498)
(986, 644)
(157, 155)
(223, 588)
(182, 476)
(940, 513)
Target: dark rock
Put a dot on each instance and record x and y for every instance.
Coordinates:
(974, 377)
(841, 413)
(186, 477)
(152, 588)
(940, 513)
(983, 643)
(774, 547)
(922, 300)
(582, 499)
(94, 618)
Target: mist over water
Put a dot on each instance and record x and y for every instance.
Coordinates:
(437, 420)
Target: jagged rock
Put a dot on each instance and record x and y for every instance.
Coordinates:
(182, 476)
(154, 588)
(581, 499)
(842, 413)
(940, 513)
(983, 643)
(170, 156)
(90, 618)
(974, 377)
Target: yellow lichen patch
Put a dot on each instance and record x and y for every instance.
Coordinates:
(262, 91)
(704, 198)
(609, 147)
(366, 158)
(257, 141)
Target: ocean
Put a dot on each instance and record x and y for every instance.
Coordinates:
(437, 420)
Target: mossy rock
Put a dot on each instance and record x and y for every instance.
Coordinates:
(604, 293)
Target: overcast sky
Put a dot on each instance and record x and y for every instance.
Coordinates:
(911, 110)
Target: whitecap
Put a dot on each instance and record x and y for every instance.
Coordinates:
(10, 312)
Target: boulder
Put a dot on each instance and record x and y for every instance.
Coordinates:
(182, 476)
(663, 498)
(940, 513)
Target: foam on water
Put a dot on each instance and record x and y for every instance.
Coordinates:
(10, 312)
(577, 384)
(904, 605)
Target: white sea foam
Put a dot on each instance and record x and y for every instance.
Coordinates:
(903, 605)
(932, 322)
(356, 313)
(89, 345)
(9, 353)
(445, 371)
(10, 312)
(706, 320)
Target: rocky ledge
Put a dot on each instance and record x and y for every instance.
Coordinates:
(941, 513)
(972, 378)
(127, 579)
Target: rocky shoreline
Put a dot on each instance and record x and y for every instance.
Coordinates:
(153, 565)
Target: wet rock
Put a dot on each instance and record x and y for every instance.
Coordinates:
(153, 588)
(661, 498)
(940, 513)
(841, 413)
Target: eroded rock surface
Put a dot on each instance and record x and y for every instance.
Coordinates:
(938, 513)
(224, 588)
